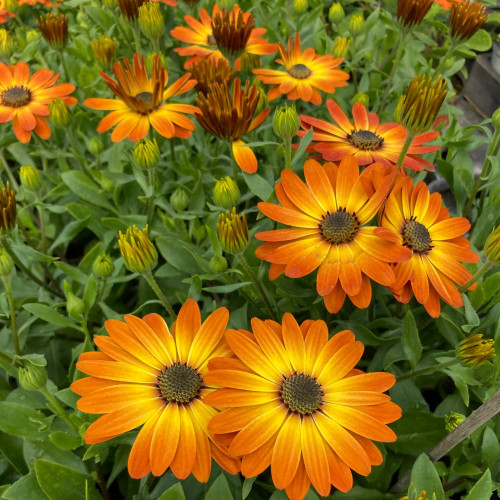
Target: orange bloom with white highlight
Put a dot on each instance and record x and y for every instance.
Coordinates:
(141, 102)
(146, 375)
(295, 402)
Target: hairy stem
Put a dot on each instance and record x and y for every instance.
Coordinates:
(154, 285)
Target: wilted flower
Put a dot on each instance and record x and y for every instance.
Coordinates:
(226, 192)
(104, 49)
(492, 247)
(6, 43)
(232, 231)
(453, 420)
(103, 266)
(7, 209)
(286, 122)
(475, 350)
(30, 177)
(146, 153)
(58, 113)
(211, 70)
(411, 12)
(54, 29)
(341, 46)
(138, 251)
(466, 18)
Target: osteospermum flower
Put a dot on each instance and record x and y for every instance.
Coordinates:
(306, 73)
(296, 403)
(415, 219)
(149, 376)
(200, 36)
(365, 138)
(230, 118)
(25, 99)
(328, 233)
(141, 102)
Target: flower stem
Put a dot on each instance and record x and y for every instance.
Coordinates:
(41, 215)
(76, 150)
(154, 285)
(442, 60)
(430, 369)
(13, 321)
(257, 284)
(63, 64)
(482, 270)
(151, 202)
(401, 159)
(59, 410)
(288, 153)
(10, 175)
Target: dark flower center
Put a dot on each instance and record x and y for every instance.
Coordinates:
(302, 394)
(147, 97)
(416, 236)
(339, 227)
(300, 71)
(180, 383)
(366, 140)
(16, 97)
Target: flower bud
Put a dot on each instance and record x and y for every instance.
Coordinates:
(6, 263)
(74, 305)
(356, 23)
(54, 29)
(95, 146)
(106, 182)
(104, 50)
(151, 20)
(453, 420)
(495, 119)
(179, 199)
(226, 192)
(6, 44)
(59, 113)
(286, 122)
(300, 6)
(103, 267)
(475, 350)
(8, 211)
(150, 60)
(199, 231)
(362, 98)
(138, 252)
(340, 47)
(32, 36)
(466, 18)
(146, 153)
(492, 247)
(218, 264)
(336, 13)
(232, 232)
(30, 178)
(226, 4)
(32, 374)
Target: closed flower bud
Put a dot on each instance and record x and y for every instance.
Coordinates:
(54, 28)
(466, 18)
(32, 374)
(59, 113)
(109, 3)
(106, 182)
(8, 210)
(362, 98)
(226, 193)
(232, 231)
(226, 4)
(151, 20)
(492, 247)
(218, 264)
(146, 153)
(263, 101)
(286, 122)
(95, 146)
(199, 231)
(300, 6)
(356, 23)
(32, 36)
(104, 50)
(74, 305)
(453, 420)
(179, 199)
(475, 350)
(6, 44)
(340, 47)
(422, 496)
(412, 12)
(138, 252)
(495, 119)
(336, 13)
(6, 263)
(103, 267)
(30, 178)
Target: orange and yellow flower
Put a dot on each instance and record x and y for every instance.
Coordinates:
(328, 217)
(146, 375)
(295, 402)
(306, 73)
(25, 99)
(46, 3)
(203, 44)
(141, 102)
(415, 219)
(4, 13)
(365, 138)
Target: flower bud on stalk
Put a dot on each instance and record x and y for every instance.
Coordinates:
(412, 12)
(340, 47)
(453, 420)
(30, 178)
(146, 153)
(58, 113)
(218, 263)
(32, 36)
(492, 247)
(130, 9)
(32, 375)
(299, 6)
(8, 210)
(286, 122)
(475, 350)
(495, 119)
(103, 267)
(362, 98)
(356, 23)
(226, 193)
(232, 232)
(179, 199)
(336, 13)
(151, 21)
(138, 252)
(104, 50)
(6, 44)
(6, 263)
(95, 146)
(54, 29)
(466, 18)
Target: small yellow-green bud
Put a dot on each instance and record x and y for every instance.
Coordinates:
(146, 153)
(362, 98)
(104, 50)
(32, 374)
(422, 496)
(356, 23)
(226, 4)
(492, 247)
(453, 420)
(218, 264)
(6, 263)
(30, 178)
(300, 6)
(74, 305)
(58, 113)
(103, 266)
(263, 101)
(138, 252)
(232, 231)
(495, 119)
(336, 13)
(286, 122)
(179, 199)
(226, 193)
(32, 36)
(8, 210)
(475, 350)
(107, 183)
(6, 44)
(340, 47)
(199, 231)
(95, 146)
(151, 20)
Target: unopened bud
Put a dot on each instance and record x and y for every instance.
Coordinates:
(362, 98)
(495, 119)
(104, 50)
(30, 178)
(6, 44)
(232, 231)
(32, 374)
(226, 192)
(58, 113)
(151, 20)
(138, 252)
(286, 122)
(475, 350)
(340, 47)
(95, 146)
(179, 199)
(453, 420)
(74, 304)
(6, 263)
(218, 264)
(336, 13)
(356, 23)
(492, 247)
(32, 36)
(300, 6)
(146, 153)
(103, 266)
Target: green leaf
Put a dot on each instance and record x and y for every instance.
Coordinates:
(219, 490)
(258, 186)
(481, 41)
(65, 441)
(305, 141)
(482, 489)
(247, 486)
(175, 492)
(90, 293)
(226, 288)
(85, 188)
(27, 488)
(49, 314)
(490, 449)
(410, 340)
(425, 477)
(12, 449)
(21, 421)
(69, 232)
(470, 315)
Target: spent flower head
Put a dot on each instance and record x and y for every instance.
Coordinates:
(104, 50)
(475, 350)
(226, 192)
(54, 29)
(492, 247)
(138, 251)
(232, 231)
(146, 153)
(466, 18)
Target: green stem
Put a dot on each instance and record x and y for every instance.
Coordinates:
(151, 195)
(154, 285)
(63, 64)
(257, 284)
(41, 215)
(76, 150)
(442, 60)
(288, 153)
(101, 290)
(172, 149)
(401, 158)
(59, 410)
(10, 175)
(137, 37)
(482, 270)
(13, 321)
(86, 332)
(430, 369)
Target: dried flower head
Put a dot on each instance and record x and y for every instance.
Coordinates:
(54, 29)
(7, 209)
(138, 251)
(211, 70)
(475, 350)
(466, 18)
(104, 49)
(412, 12)
(232, 231)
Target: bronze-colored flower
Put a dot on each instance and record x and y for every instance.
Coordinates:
(104, 49)
(209, 71)
(130, 8)
(7, 209)
(232, 231)
(475, 350)
(412, 12)
(466, 18)
(54, 29)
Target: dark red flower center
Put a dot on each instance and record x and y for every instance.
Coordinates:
(302, 394)
(16, 97)
(300, 71)
(339, 227)
(365, 140)
(416, 236)
(180, 383)
(147, 97)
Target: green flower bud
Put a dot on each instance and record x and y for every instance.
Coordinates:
(151, 20)
(453, 420)
(300, 6)
(138, 252)
(492, 247)
(150, 59)
(58, 113)
(232, 231)
(286, 122)
(340, 47)
(362, 98)
(226, 4)
(32, 36)
(146, 153)
(74, 305)
(179, 199)
(263, 101)
(336, 13)
(107, 183)
(103, 266)
(226, 192)
(218, 264)
(6, 263)
(356, 23)
(199, 231)
(30, 178)
(6, 44)
(495, 119)
(32, 374)
(95, 146)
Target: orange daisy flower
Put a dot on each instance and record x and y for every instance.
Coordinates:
(305, 72)
(203, 44)
(365, 138)
(4, 13)
(147, 375)
(415, 219)
(25, 99)
(46, 3)
(296, 403)
(446, 4)
(328, 217)
(141, 102)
